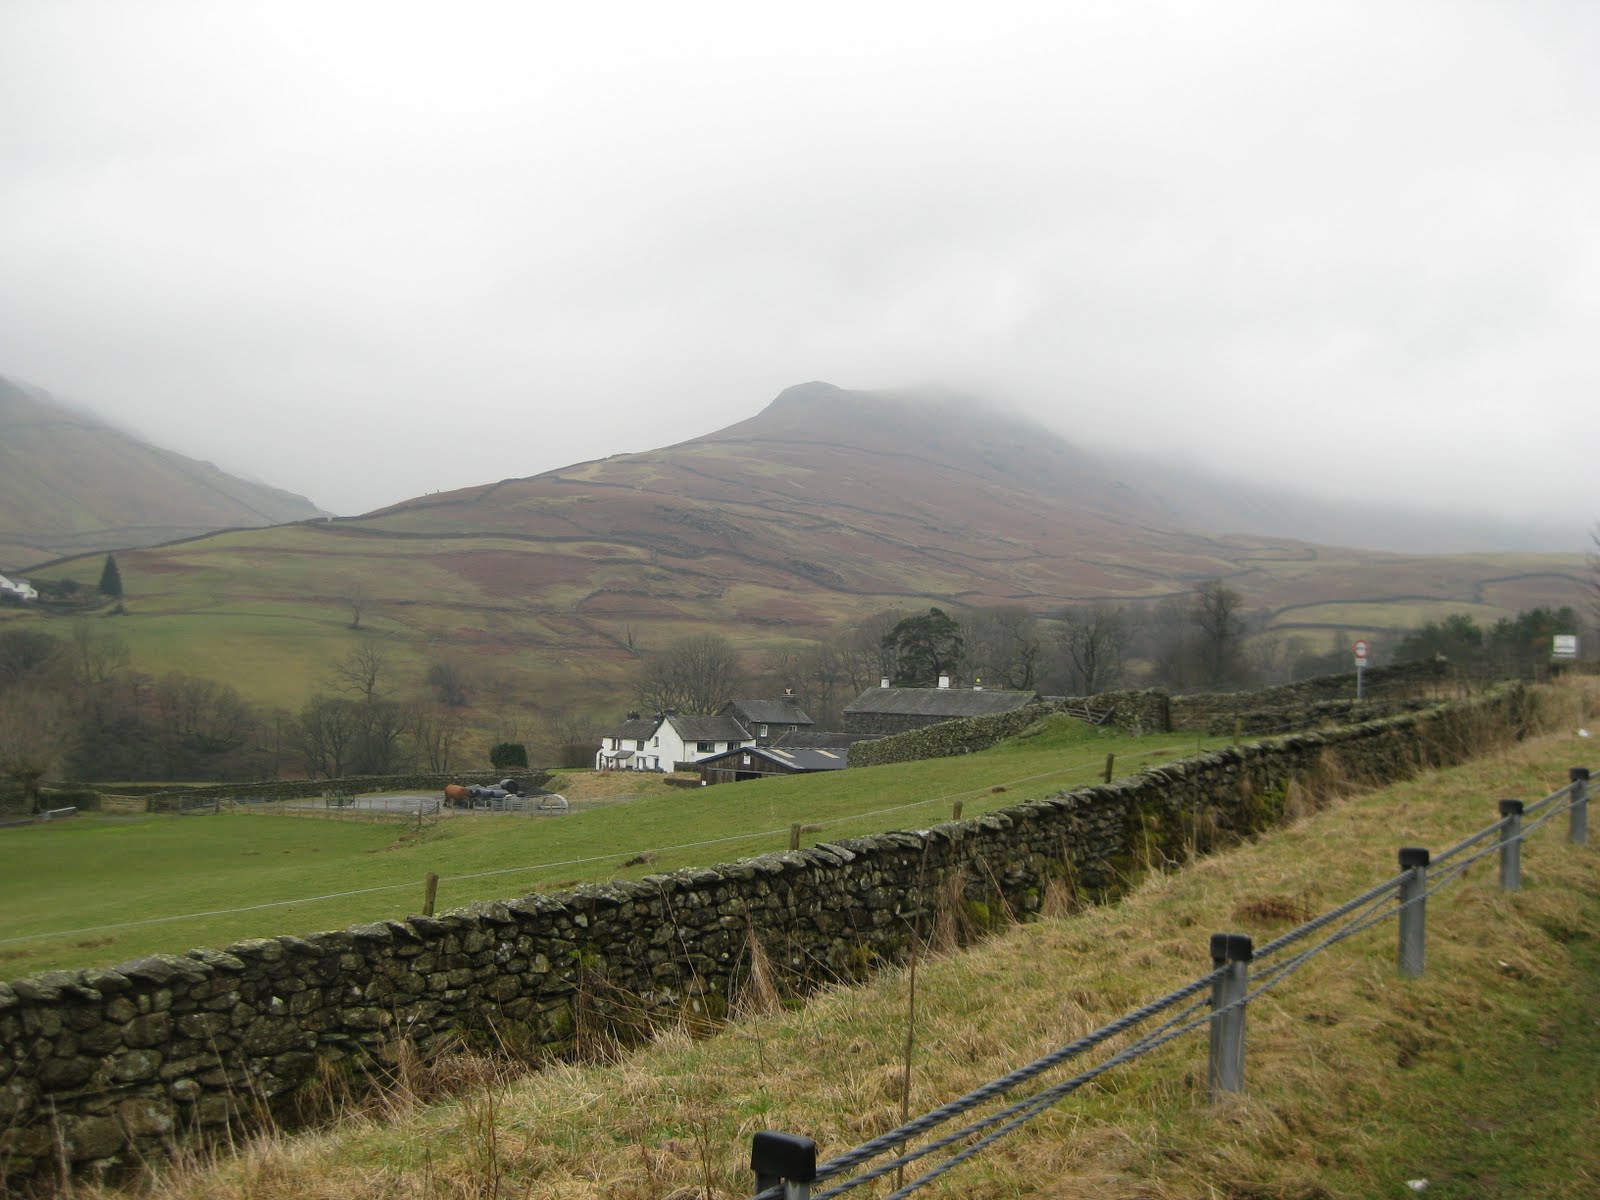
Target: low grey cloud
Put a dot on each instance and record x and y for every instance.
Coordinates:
(369, 250)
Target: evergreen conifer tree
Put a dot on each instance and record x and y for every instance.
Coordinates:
(111, 579)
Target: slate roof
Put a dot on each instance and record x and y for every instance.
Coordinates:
(822, 739)
(948, 703)
(708, 729)
(813, 759)
(784, 711)
(637, 728)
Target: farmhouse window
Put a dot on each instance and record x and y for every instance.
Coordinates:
(641, 744)
(616, 743)
(762, 731)
(655, 741)
(705, 747)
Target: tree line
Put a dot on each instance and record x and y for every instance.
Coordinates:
(1202, 640)
(77, 707)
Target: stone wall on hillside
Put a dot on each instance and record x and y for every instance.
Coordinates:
(99, 1068)
(179, 799)
(1144, 711)
(1196, 713)
(1258, 722)
(964, 736)
(1135, 711)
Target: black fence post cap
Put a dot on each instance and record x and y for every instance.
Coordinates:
(1412, 856)
(790, 1156)
(1511, 808)
(1577, 773)
(1231, 947)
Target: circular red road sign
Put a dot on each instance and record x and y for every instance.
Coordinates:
(1361, 649)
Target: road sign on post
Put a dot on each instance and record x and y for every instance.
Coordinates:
(1361, 664)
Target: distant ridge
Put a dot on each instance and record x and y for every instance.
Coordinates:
(824, 508)
(73, 484)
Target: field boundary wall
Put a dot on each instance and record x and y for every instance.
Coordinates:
(1196, 713)
(103, 1068)
(179, 799)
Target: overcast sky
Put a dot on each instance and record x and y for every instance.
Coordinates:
(364, 251)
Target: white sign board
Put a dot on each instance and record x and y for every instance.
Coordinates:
(1361, 652)
(1564, 645)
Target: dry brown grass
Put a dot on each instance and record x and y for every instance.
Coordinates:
(1331, 1057)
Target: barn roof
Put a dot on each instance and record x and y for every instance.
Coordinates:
(948, 703)
(783, 711)
(799, 759)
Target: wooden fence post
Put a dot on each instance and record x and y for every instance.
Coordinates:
(430, 891)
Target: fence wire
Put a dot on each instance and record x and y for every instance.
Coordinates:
(1366, 911)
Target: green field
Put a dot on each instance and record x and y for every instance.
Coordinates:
(1477, 1078)
(104, 889)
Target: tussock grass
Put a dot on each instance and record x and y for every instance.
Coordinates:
(1479, 1077)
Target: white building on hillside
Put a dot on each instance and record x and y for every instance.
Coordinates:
(660, 742)
(17, 589)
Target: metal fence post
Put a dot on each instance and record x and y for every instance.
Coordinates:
(784, 1158)
(1578, 826)
(1413, 911)
(1511, 845)
(1226, 1070)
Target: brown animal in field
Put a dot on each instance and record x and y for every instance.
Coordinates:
(457, 796)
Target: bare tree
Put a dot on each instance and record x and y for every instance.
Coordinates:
(435, 735)
(31, 656)
(573, 737)
(36, 731)
(1002, 646)
(97, 655)
(694, 675)
(360, 671)
(448, 679)
(198, 720)
(859, 652)
(325, 734)
(1215, 612)
(357, 599)
(1094, 641)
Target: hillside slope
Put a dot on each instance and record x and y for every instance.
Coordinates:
(71, 484)
(825, 507)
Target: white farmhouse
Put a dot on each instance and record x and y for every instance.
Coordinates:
(660, 742)
(18, 589)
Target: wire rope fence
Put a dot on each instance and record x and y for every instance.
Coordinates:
(785, 1164)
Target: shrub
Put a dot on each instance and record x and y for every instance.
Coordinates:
(503, 755)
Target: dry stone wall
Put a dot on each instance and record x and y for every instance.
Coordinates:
(102, 1068)
(1138, 712)
(1199, 712)
(182, 799)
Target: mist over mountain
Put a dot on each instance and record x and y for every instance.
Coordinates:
(73, 483)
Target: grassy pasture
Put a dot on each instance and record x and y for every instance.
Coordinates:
(1478, 1078)
(542, 585)
(91, 872)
